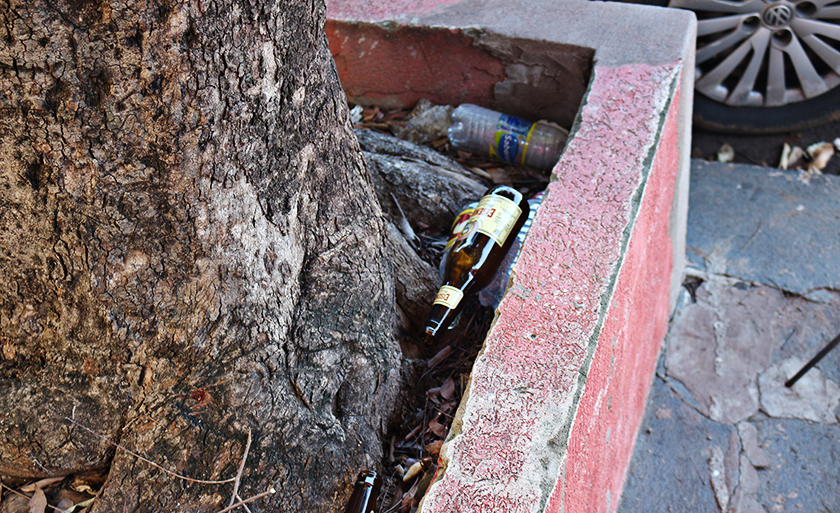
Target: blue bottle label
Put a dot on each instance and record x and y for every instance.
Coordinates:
(513, 125)
(511, 139)
(505, 147)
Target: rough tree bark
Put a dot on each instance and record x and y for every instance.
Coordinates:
(189, 248)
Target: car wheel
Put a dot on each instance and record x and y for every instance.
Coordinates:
(766, 66)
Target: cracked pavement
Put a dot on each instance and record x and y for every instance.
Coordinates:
(760, 298)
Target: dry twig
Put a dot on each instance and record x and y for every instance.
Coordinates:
(241, 469)
(258, 496)
(236, 480)
(152, 463)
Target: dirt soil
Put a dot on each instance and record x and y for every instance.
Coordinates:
(764, 150)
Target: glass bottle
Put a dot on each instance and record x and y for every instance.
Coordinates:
(476, 254)
(365, 493)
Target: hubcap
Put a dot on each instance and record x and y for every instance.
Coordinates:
(777, 16)
(766, 53)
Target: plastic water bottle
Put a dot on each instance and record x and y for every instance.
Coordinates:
(507, 138)
(491, 295)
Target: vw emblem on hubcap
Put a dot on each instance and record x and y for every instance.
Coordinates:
(777, 16)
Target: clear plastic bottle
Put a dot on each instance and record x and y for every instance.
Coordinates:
(491, 295)
(507, 138)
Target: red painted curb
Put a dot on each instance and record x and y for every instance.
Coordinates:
(557, 395)
(397, 67)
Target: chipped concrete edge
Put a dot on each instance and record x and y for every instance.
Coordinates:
(558, 439)
(607, 297)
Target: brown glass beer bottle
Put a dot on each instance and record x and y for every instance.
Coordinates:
(365, 493)
(474, 258)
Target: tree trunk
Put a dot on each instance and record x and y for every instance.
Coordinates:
(190, 248)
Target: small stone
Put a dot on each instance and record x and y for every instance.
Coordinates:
(726, 153)
(718, 477)
(749, 476)
(663, 413)
(813, 397)
(749, 441)
(731, 461)
(743, 503)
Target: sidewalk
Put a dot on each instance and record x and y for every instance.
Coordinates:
(762, 296)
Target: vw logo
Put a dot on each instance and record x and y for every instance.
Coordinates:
(777, 16)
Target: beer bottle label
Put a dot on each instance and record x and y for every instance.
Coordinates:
(459, 223)
(495, 217)
(448, 297)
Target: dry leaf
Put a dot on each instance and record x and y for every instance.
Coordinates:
(784, 160)
(797, 154)
(433, 392)
(83, 488)
(791, 155)
(499, 176)
(447, 408)
(424, 483)
(440, 142)
(38, 502)
(434, 448)
(480, 172)
(13, 503)
(413, 471)
(726, 153)
(448, 389)
(820, 154)
(85, 503)
(437, 428)
(356, 114)
(80, 506)
(43, 483)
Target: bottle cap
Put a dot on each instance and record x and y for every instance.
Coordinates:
(370, 478)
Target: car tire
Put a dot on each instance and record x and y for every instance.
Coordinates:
(721, 118)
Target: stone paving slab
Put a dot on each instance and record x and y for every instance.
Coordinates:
(765, 225)
(734, 340)
(804, 475)
(670, 470)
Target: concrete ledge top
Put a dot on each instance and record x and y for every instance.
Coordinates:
(620, 33)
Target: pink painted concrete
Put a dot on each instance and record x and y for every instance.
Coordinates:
(527, 402)
(557, 394)
(398, 66)
(613, 401)
(372, 11)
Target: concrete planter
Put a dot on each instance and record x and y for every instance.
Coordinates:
(558, 392)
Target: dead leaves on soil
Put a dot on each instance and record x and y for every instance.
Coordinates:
(413, 457)
(810, 162)
(68, 494)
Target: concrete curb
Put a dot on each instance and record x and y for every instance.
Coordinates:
(558, 393)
